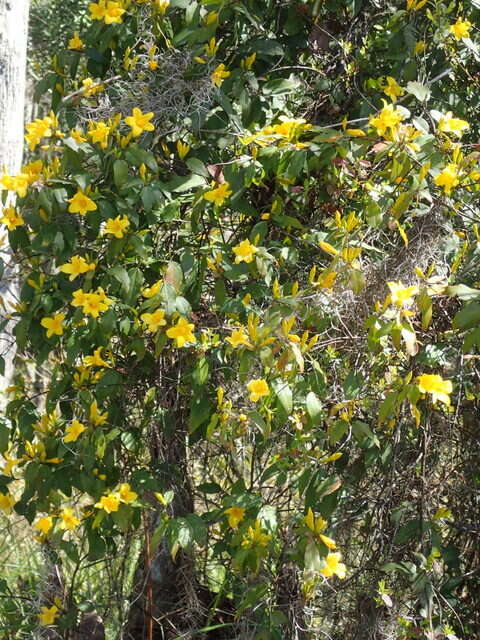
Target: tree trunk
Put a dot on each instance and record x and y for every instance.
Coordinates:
(13, 59)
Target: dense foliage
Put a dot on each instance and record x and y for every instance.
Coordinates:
(248, 239)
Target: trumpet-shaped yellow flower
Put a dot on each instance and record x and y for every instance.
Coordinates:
(117, 226)
(76, 43)
(95, 303)
(98, 132)
(95, 417)
(76, 267)
(68, 519)
(392, 89)
(81, 203)
(235, 515)
(182, 332)
(74, 431)
(238, 338)
(400, 295)
(182, 149)
(255, 537)
(449, 124)
(149, 292)
(95, 360)
(436, 386)
(48, 615)
(247, 63)
(44, 524)
(461, 29)
(244, 252)
(153, 321)
(448, 178)
(97, 10)
(258, 389)
(54, 325)
(126, 494)
(387, 119)
(139, 122)
(7, 502)
(219, 194)
(11, 218)
(108, 503)
(219, 75)
(415, 5)
(333, 566)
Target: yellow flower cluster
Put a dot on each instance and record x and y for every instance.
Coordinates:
(41, 128)
(287, 131)
(111, 502)
(109, 11)
(92, 303)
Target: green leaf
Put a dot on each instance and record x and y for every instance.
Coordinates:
(120, 172)
(467, 318)
(314, 407)
(284, 395)
(312, 559)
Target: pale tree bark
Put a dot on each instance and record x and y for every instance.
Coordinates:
(13, 59)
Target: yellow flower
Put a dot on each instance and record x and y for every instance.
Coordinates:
(74, 431)
(328, 542)
(95, 360)
(90, 88)
(182, 332)
(77, 135)
(97, 10)
(235, 516)
(387, 118)
(436, 386)
(392, 89)
(11, 218)
(125, 493)
(244, 251)
(80, 203)
(400, 295)
(69, 520)
(211, 47)
(44, 524)
(355, 133)
(54, 325)
(38, 129)
(219, 75)
(333, 566)
(448, 124)
(99, 132)
(218, 195)
(7, 502)
(461, 29)
(255, 537)
(420, 47)
(76, 43)
(97, 418)
(79, 298)
(47, 616)
(139, 122)
(238, 338)
(94, 303)
(117, 226)
(149, 292)
(113, 13)
(109, 503)
(182, 149)
(76, 267)
(258, 389)
(247, 63)
(448, 178)
(415, 5)
(161, 5)
(154, 321)
(316, 525)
